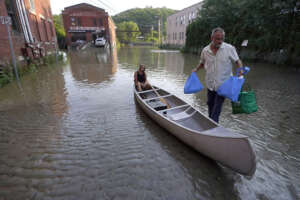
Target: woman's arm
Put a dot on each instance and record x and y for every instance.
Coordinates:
(135, 77)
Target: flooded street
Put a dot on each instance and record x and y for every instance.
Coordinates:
(74, 131)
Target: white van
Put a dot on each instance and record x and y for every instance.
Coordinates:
(100, 42)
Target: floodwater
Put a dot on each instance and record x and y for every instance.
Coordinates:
(74, 131)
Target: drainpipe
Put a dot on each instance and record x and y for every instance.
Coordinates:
(22, 20)
(26, 21)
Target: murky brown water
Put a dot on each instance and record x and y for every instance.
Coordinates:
(75, 132)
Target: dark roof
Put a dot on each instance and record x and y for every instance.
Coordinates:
(83, 4)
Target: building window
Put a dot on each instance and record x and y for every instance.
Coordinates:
(100, 22)
(78, 22)
(36, 30)
(32, 5)
(11, 11)
(72, 21)
(45, 29)
(95, 21)
(75, 21)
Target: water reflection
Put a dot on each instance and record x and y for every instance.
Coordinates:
(174, 62)
(44, 88)
(94, 65)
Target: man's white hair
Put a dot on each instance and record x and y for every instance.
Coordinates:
(216, 30)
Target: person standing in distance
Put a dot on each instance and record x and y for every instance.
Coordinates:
(217, 58)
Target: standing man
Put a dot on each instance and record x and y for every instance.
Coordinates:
(217, 58)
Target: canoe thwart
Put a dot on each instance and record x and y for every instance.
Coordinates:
(146, 91)
(181, 116)
(158, 97)
(174, 108)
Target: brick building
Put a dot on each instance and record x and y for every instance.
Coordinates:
(87, 22)
(32, 29)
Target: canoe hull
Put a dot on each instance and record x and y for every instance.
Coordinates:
(233, 152)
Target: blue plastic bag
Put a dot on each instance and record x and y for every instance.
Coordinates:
(192, 84)
(231, 88)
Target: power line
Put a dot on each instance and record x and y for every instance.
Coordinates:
(107, 5)
(97, 3)
(112, 5)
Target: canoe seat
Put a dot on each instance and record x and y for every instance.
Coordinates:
(181, 116)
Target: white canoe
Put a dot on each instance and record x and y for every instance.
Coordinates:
(228, 148)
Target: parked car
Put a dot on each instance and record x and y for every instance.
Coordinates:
(79, 42)
(100, 42)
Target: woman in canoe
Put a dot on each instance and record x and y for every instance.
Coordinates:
(140, 79)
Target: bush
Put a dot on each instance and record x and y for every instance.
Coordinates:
(6, 74)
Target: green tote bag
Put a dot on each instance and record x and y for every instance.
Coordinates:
(246, 103)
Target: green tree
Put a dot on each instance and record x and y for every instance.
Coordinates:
(60, 31)
(268, 25)
(152, 37)
(127, 32)
(146, 18)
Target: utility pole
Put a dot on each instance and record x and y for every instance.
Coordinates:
(7, 21)
(158, 30)
(152, 34)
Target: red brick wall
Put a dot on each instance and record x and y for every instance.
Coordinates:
(4, 51)
(41, 24)
(87, 14)
(17, 38)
